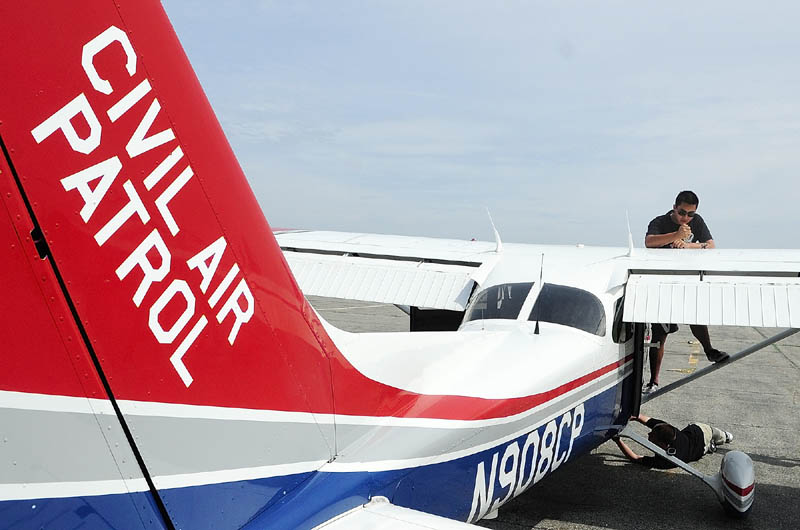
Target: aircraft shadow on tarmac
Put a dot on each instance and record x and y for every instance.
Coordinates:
(605, 490)
(770, 460)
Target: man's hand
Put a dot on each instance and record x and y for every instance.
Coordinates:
(679, 243)
(683, 233)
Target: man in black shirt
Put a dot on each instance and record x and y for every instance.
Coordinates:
(681, 227)
(688, 444)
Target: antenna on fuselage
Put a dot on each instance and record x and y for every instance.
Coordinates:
(541, 273)
(630, 235)
(499, 247)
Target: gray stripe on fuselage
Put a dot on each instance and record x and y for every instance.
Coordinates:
(67, 446)
(45, 446)
(174, 446)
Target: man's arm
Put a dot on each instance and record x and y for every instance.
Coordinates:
(659, 240)
(627, 451)
(705, 244)
(647, 461)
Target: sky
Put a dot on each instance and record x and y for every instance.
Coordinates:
(413, 117)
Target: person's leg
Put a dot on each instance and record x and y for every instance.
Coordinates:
(701, 334)
(708, 437)
(657, 353)
(718, 436)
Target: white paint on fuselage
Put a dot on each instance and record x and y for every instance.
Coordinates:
(500, 359)
(476, 363)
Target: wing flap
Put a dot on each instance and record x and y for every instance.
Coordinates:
(414, 271)
(421, 284)
(794, 305)
(719, 299)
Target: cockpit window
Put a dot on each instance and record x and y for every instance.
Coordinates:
(499, 301)
(570, 306)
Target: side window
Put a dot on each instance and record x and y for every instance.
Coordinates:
(622, 331)
(500, 301)
(570, 306)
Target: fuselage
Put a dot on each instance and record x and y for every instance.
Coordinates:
(515, 398)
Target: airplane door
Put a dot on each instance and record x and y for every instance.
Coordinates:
(623, 333)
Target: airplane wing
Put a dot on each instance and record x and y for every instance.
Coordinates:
(380, 514)
(737, 287)
(413, 271)
(723, 287)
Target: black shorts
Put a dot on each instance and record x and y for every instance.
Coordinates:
(660, 331)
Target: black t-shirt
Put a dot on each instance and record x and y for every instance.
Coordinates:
(689, 446)
(663, 224)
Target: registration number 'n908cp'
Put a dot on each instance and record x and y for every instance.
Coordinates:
(524, 464)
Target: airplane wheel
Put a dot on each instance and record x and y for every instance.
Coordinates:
(734, 513)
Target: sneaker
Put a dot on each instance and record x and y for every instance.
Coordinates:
(716, 356)
(649, 388)
(728, 437)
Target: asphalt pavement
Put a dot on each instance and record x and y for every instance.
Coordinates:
(757, 399)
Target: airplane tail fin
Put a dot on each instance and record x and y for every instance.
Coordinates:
(148, 312)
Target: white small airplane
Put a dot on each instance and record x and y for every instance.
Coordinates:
(520, 320)
(161, 368)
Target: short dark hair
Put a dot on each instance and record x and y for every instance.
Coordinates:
(664, 433)
(687, 197)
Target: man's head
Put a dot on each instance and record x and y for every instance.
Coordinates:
(663, 435)
(685, 207)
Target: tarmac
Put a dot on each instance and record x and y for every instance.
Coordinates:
(757, 399)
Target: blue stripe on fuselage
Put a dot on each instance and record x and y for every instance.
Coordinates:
(132, 510)
(451, 489)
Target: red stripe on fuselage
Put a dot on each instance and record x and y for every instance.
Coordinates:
(384, 400)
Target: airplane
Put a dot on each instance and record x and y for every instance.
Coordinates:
(162, 368)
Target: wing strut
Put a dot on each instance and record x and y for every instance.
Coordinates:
(716, 366)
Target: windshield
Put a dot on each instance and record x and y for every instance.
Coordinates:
(570, 306)
(500, 301)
